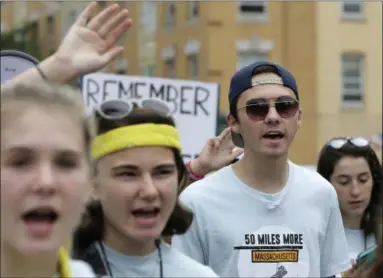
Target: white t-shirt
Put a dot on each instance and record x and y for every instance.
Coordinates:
(241, 232)
(175, 264)
(357, 242)
(80, 269)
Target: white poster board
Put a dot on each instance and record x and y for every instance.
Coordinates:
(194, 104)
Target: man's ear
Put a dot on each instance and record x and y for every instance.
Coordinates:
(300, 111)
(235, 131)
(233, 123)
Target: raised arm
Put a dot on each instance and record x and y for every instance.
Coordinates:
(89, 46)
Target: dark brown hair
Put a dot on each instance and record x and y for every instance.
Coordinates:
(92, 227)
(328, 159)
(377, 270)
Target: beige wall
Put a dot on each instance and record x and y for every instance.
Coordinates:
(7, 15)
(335, 36)
(308, 38)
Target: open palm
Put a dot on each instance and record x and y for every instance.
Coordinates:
(90, 43)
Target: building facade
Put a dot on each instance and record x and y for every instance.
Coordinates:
(332, 48)
(326, 45)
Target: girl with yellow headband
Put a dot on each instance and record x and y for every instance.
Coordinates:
(139, 173)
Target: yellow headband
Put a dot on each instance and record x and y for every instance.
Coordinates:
(141, 135)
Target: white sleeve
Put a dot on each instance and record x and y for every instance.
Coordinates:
(334, 253)
(80, 269)
(192, 243)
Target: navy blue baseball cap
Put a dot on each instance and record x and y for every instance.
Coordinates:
(242, 80)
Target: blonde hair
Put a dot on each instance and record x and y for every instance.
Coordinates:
(50, 94)
(55, 96)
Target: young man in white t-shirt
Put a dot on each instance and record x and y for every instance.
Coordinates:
(265, 216)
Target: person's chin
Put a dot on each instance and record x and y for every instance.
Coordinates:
(145, 235)
(356, 213)
(31, 246)
(274, 153)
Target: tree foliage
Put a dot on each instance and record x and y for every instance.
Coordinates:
(23, 39)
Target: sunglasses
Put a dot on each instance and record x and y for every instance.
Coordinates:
(118, 109)
(257, 109)
(338, 143)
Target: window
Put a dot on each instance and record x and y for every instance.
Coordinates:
(170, 68)
(121, 66)
(246, 58)
(72, 16)
(252, 9)
(192, 64)
(352, 9)
(352, 78)
(51, 34)
(192, 10)
(149, 70)
(148, 17)
(170, 15)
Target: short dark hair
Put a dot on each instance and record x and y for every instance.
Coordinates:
(327, 161)
(92, 226)
(258, 70)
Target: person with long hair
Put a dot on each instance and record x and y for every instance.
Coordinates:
(353, 168)
(139, 173)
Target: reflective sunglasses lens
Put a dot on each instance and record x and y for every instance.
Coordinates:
(114, 109)
(287, 108)
(257, 111)
(337, 143)
(156, 105)
(360, 142)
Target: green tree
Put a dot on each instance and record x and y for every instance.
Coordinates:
(23, 39)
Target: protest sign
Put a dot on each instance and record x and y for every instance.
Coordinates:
(194, 104)
(14, 62)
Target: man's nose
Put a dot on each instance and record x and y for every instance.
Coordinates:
(272, 116)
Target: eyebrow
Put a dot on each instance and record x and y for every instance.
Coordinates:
(343, 176)
(347, 176)
(136, 167)
(258, 99)
(23, 149)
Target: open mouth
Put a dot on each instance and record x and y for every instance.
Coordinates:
(273, 135)
(41, 215)
(355, 203)
(146, 212)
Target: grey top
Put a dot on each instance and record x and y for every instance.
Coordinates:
(175, 264)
